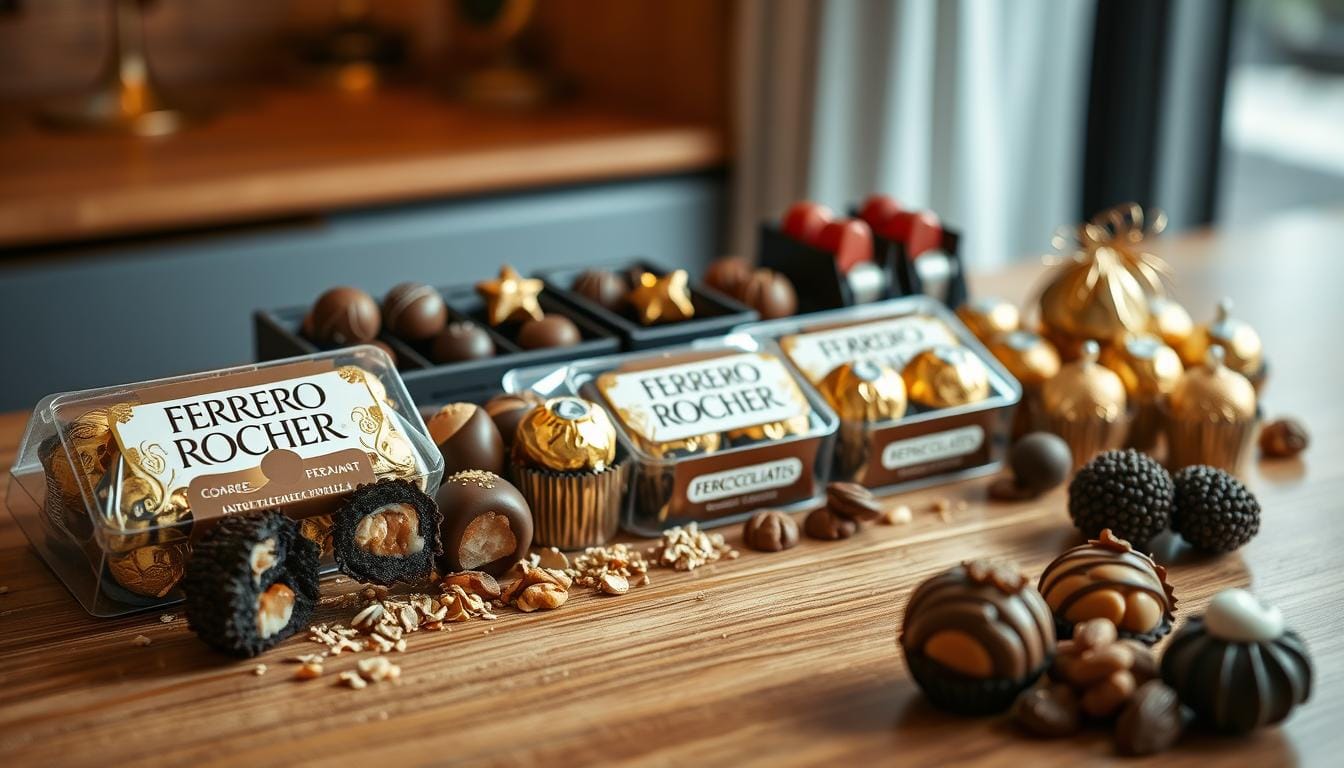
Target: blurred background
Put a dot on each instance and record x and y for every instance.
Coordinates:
(168, 166)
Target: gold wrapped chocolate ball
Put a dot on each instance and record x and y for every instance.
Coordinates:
(1145, 364)
(688, 446)
(775, 430)
(1028, 356)
(864, 392)
(1169, 321)
(1241, 344)
(1086, 405)
(945, 376)
(989, 316)
(566, 434)
(1211, 415)
(151, 570)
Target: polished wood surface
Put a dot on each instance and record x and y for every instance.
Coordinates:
(296, 152)
(772, 658)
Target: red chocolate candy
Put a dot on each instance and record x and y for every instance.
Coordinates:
(850, 240)
(878, 211)
(804, 220)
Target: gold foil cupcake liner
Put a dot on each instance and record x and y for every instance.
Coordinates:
(1087, 437)
(1220, 444)
(573, 510)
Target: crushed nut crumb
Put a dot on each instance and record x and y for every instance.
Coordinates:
(377, 669)
(308, 671)
(897, 515)
(595, 563)
(352, 679)
(4, 590)
(686, 548)
(167, 618)
(141, 641)
(259, 670)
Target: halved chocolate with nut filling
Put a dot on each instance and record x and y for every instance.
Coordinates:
(387, 532)
(487, 524)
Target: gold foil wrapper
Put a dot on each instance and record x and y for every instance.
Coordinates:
(1149, 369)
(153, 570)
(864, 392)
(1221, 444)
(573, 510)
(989, 316)
(1084, 390)
(1169, 321)
(946, 376)
(1213, 392)
(1242, 348)
(775, 430)
(566, 434)
(1028, 356)
(695, 445)
(665, 299)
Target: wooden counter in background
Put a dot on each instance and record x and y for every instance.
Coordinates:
(295, 152)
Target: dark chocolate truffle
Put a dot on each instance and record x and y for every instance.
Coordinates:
(414, 311)
(602, 287)
(387, 533)
(1237, 666)
(1126, 491)
(251, 582)
(343, 316)
(487, 524)
(507, 410)
(1107, 579)
(467, 438)
(976, 636)
(461, 341)
(770, 293)
(549, 331)
(1213, 510)
(728, 275)
(1040, 461)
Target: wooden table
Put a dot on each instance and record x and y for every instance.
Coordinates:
(777, 658)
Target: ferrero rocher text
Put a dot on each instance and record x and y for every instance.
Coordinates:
(216, 430)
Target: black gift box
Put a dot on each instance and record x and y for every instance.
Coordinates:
(276, 335)
(715, 313)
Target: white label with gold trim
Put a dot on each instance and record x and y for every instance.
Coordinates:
(885, 342)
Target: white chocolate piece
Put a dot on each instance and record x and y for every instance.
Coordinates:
(1236, 616)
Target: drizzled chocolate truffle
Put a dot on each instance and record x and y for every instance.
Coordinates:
(1106, 578)
(976, 636)
(602, 287)
(414, 311)
(387, 533)
(343, 316)
(487, 524)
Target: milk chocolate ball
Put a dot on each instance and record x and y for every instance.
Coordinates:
(461, 341)
(1040, 461)
(729, 275)
(770, 293)
(507, 410)
(467, 438)
(344, 316)
(487, 524)
(414, 311)
(602, 287)
(549, 331)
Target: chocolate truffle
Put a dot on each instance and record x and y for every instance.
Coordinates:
(467, 438)
(770, 293)
(1105, 578)
(460, 341)
(946, 376)
(602, 287)
(1237, 666)
(567, 434)
(976, 636)
(1040, 461)
(251, 582)
(387, 350)
(1125, 491)
(387, 533)
(826, 525)
(414, 311)
(506, 410)
(487, 524)
(728, 275)
(343, 316)
(549, 331)
(853, 501)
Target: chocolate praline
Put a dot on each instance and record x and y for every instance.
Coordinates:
(414, 311)
(770, 293)
(506, 410)
(549, 331)
(343, 316)
(487, 524)
(461, 341)
(467, 438)
(728, 275)
(1106, 578)
(602, 287)
(1040, 461)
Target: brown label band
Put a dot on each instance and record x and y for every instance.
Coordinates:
(907, 452)
(774, 474)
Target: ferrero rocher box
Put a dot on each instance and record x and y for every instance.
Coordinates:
(919, 400)
(112, 485)
(715, 431)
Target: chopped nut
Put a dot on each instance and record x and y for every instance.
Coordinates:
(4, 590)
(167, 618)
(897, 515)
(540, 597)
(259, 670)
(552, 558)
(538, 589)
(474, 582)
(588, 568)
(369, 617)
(352, 679)
(308, 658)
(687, 548)
(377, 669)
(308, 671)
(614, 584)
(140, 640)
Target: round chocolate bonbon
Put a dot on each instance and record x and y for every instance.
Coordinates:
(461, 341)
(414, 311)
(566, 434)
(343, 316)
(1040, 461)
(468, 439)
(602, 287)
(387, 533)
(549, 331)
(1107, 579)
(770, 293)
(487, 524)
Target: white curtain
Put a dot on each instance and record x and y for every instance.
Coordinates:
(974, 109)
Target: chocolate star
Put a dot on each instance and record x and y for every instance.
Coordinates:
(662, 299)
(511, 297)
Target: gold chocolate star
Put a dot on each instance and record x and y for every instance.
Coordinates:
(662, 299)
(511, 297)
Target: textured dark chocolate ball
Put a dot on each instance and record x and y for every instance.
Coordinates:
(461, 341)
(1126, 491)
(728, 275)
(770, 293)
(549, 331)
(1213, 510)
(344, 316)
(414, 311)
(1040, 461)
(602, 287)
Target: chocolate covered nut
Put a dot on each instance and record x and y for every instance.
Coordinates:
(1048, 711)
(828, 526)
(853, 501)
(460, 341)
(549, 331)
(602, 287)
(343, 316)
(467, 438)
(414, 311)
(770, 293)
(1106, 698)
(1151, 722)
(770, 531)
(1145, 665)
(507, 410)
(487, 525)
(1283, 439)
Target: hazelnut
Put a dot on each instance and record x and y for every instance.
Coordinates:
(537, 589)
(1151, 722)
(473, 582)
(770, 531)
(853, 501)
(826, 525)
(550, 557)
(1050, 711)
(392, 530)
(274, 608)
(541, 597)
(1283, 439)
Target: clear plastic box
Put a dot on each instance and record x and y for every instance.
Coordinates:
(925, 446)
(750, 465)
(111, 485)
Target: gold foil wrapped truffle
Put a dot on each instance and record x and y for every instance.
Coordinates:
(1086, 405)
(1240, 343)
(1211, 416)
(665, 299)
(864, 392)
(1028, 356)
(689, 446)
(775, 430)
(1149, 369)
(945, 376)
(566, 434)
(151, 570)
(1169, 321)
(989, 316)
